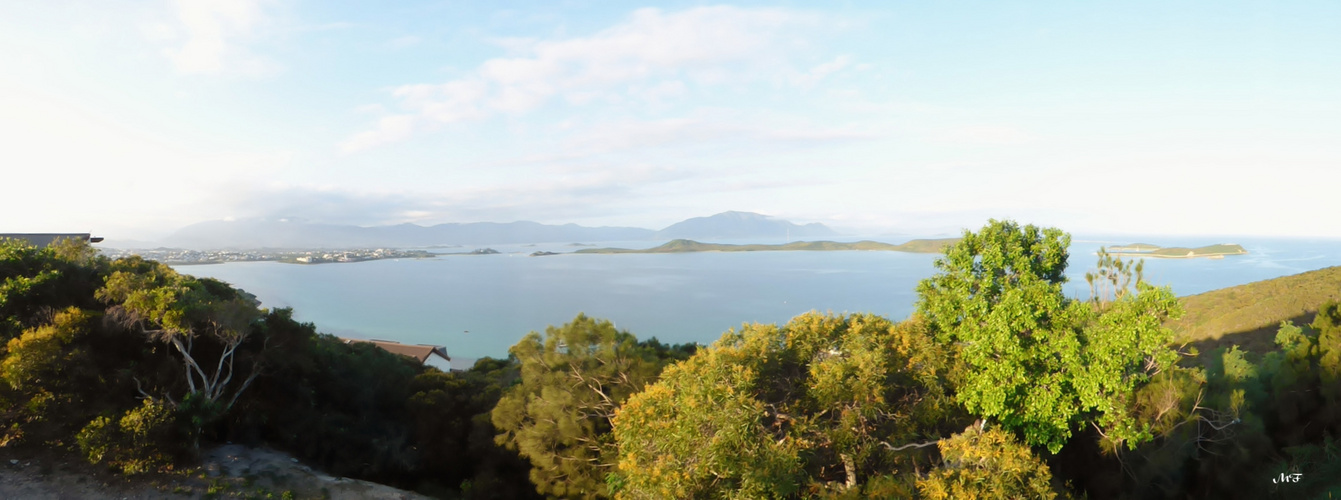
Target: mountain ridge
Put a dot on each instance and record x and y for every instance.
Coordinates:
(685, 246)
(257, 233)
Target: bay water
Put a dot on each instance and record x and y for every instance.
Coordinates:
(479, 305)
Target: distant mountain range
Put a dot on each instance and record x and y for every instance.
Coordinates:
(736, 225)
(290, 234)
(685, 246)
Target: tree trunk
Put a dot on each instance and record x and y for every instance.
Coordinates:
(850, 468)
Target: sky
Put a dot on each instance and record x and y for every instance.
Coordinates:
(133, 119)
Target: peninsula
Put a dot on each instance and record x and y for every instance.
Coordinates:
(683, 246)
(1155, 251)
(183, 257)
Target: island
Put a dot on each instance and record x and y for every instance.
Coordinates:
(542, 254)
(682, 246)
(1155, 251)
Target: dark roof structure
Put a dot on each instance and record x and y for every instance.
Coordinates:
(46, 239)
(420, 352)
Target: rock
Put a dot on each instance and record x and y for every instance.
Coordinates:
(13, 462)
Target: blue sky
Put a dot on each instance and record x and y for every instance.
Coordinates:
(130, 119)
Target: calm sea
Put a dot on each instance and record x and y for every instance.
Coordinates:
(479, 305)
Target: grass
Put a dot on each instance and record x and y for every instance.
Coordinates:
(1248, 315)
(681, 246)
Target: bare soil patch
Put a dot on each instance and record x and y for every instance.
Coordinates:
(228, 471)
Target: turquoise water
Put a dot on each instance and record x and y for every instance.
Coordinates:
(479, 305)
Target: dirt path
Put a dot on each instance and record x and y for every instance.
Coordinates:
(230, 471)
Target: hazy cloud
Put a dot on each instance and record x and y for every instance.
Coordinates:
(821, 71)
(560, 195)
(212, 37)
(388, 129)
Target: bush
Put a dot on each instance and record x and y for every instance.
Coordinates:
(142, 440)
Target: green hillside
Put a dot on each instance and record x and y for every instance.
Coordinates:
(1248, 315)
(1153, 251)
(1177, 252)
(681, 246)
(927, 245)
(1134, 247)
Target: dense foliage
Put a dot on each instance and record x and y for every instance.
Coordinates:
(1038, 362)
(133, 365)
(986, 464)
(811, 407)
(572, 381)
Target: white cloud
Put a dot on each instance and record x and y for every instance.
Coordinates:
(454, 101)
(821, 71)
(213, 35)
(649, 58)
(389, 129)
(661, 92)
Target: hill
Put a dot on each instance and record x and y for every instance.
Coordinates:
(1248, 315)
(683, 245)
(1134, 247)
(736, 225)
(1147, 250)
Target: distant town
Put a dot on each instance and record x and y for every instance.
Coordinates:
(176, 256)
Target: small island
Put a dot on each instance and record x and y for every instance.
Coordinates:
(477, 251)
(682, 246)
(542, 254)
(1155, 251)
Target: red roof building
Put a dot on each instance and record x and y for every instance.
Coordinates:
(422, 353)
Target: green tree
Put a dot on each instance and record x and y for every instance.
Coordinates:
(818, 406)
(142, 440)
(1328, 325)
(42, 353)
(1038, 362)
(179, 310)
(36, 280)
(572, 381)
(987, 464)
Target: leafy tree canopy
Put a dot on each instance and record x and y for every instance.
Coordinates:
(1041, 363)
(987, 464)
(572, 381)
(816, 405)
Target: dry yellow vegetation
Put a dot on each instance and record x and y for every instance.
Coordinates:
(1248, 315)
